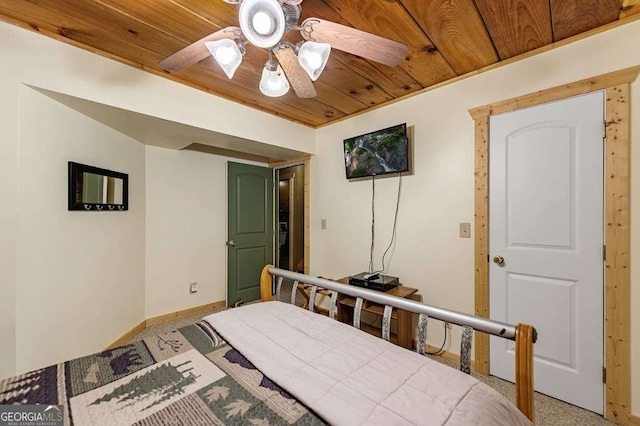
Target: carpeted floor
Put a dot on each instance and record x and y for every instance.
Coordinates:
(549, 411)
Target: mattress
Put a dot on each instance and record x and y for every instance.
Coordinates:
(348, 377)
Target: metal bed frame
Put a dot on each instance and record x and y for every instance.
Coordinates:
(524, 335)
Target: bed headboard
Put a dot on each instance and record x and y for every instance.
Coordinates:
(524, 335)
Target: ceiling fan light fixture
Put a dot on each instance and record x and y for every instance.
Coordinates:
(227, 54)
(313, 57)
(273, 82)
(262, 22)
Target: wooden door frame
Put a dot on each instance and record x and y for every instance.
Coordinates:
(616, 225)
(306, 161)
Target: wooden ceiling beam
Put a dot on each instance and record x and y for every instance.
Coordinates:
(457, 30)
(391, 20)
(517, 26)
(571, 17)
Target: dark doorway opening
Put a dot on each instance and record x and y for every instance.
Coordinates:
(290, 216)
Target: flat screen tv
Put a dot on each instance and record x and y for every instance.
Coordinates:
(377, 153)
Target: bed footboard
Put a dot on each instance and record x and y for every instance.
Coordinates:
(524, 335)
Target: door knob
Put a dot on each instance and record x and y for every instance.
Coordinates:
(498, 260)
(231, 243)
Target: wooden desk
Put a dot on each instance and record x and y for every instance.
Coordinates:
(404, 335)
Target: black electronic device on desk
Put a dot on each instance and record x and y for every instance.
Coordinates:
(374, 281)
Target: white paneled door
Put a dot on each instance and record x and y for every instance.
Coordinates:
(546, 243)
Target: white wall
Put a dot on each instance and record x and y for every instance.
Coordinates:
(80, 275)
(429, 254)
(186, 229)
(49, 64)
(635, 246)
(8, 221)
(34, 232)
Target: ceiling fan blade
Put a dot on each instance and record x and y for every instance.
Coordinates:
(197, 51)
(356, 42)
(297, 76)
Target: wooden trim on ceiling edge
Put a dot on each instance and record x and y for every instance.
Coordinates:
(580, 87)
(306, 160)
(617, 232)
(164, 318)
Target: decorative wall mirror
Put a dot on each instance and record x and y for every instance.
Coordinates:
(92, 188)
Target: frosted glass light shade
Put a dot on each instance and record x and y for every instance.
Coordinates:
(273, 83)
(313, 57)
(262, 22)
(227, 54)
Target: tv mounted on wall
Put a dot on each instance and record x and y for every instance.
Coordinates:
(377, 153)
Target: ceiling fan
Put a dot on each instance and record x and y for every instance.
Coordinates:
(263, 24)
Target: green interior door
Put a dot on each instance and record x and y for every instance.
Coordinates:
(250, 233)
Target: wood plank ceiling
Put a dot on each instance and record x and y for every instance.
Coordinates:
(446, 38)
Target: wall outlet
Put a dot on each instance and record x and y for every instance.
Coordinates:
(465, 230)
(193, 288)
(323, 223)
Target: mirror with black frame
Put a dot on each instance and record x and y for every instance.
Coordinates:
(95, 189)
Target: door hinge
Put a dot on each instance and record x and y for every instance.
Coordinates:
(604, 253)
(604, 374)
(604, 130)
(488, 259)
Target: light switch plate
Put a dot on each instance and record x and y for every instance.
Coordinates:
(323, 223)
(465, 230)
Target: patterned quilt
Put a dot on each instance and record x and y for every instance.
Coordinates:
(189, 376)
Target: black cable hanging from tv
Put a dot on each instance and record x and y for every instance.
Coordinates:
(395, 222)
(394, 231)
(373, 221)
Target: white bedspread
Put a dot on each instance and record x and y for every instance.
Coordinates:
(349, 377)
